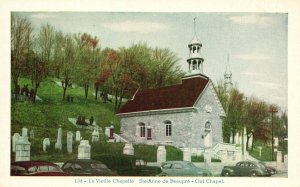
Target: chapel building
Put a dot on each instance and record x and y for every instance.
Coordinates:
(182, 115)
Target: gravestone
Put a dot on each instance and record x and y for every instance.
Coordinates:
(24, 132)
(187, 154)
(250, 141)
(107, 131)
(22, 149)
(161, 154)
(77, 138)
(231, 138)
(46, 144)
(69, 141)
(285, 161)
(95, 135)
(244, 144)
(128, 149)
(84, 150)
(14, 139)
(31, 133)
(58, 144)
(279, 160)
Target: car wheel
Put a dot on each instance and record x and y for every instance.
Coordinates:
(253, 174)
(226, 173)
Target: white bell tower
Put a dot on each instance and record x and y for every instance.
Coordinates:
(195, 60)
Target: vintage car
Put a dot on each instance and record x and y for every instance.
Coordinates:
(270, 169)
(182, 168)
(36, 168)
(245, 168)
(127, 165)
(87, 167)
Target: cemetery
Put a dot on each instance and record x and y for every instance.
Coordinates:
(85, 103)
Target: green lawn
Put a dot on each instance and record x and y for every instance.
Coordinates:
(46, 116)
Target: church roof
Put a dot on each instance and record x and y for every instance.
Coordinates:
(170, 97)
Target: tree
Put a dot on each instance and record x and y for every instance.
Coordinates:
(68, 62)
(38, 71)
(57, 61)
(87, 60)
(45, 43)
(255, 114)
(21, 44)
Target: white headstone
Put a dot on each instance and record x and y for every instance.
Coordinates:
(84, 150)
(95, 135)
(231, 138)
(22, 149)
(276, 141)
(187, 156)
(31, 134)
(107, 131)
(69, 141)
(24, 132)
(250, 141)
(161, 154)
(77, 136)
(244, 143)
(58, 144)
(46, 144)
(237, 138)
(128, 149)
(14, 139)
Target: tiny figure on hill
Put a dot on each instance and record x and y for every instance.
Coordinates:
(32, 94)
(25, 90)
(79, 121)
(83, 121)
(17, 90)
(91, 120)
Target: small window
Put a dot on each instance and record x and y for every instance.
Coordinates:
(168, 128)
(142, 132)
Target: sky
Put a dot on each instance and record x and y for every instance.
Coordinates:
(255, 42)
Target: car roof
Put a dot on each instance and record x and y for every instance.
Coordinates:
(175, 161)
(83, 160)
(28, 164)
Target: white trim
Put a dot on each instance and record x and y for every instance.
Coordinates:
(157, 111)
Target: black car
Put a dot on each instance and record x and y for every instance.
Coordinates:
(126, 165)
(271, 170)
(87, 167)
(245, 168)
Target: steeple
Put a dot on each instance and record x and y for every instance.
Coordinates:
(228, 76)
(195, 60)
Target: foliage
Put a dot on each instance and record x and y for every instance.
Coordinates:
(21, 44)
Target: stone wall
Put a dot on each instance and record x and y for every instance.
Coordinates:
(187, 127)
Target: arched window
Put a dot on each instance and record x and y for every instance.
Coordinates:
(194, 49)
(142, 129)
(168, 125)
(207, 127)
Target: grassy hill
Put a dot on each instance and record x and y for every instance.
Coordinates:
(47, 115)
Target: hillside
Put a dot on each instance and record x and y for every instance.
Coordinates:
(48, 114)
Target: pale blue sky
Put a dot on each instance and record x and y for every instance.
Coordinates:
(256, 43)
